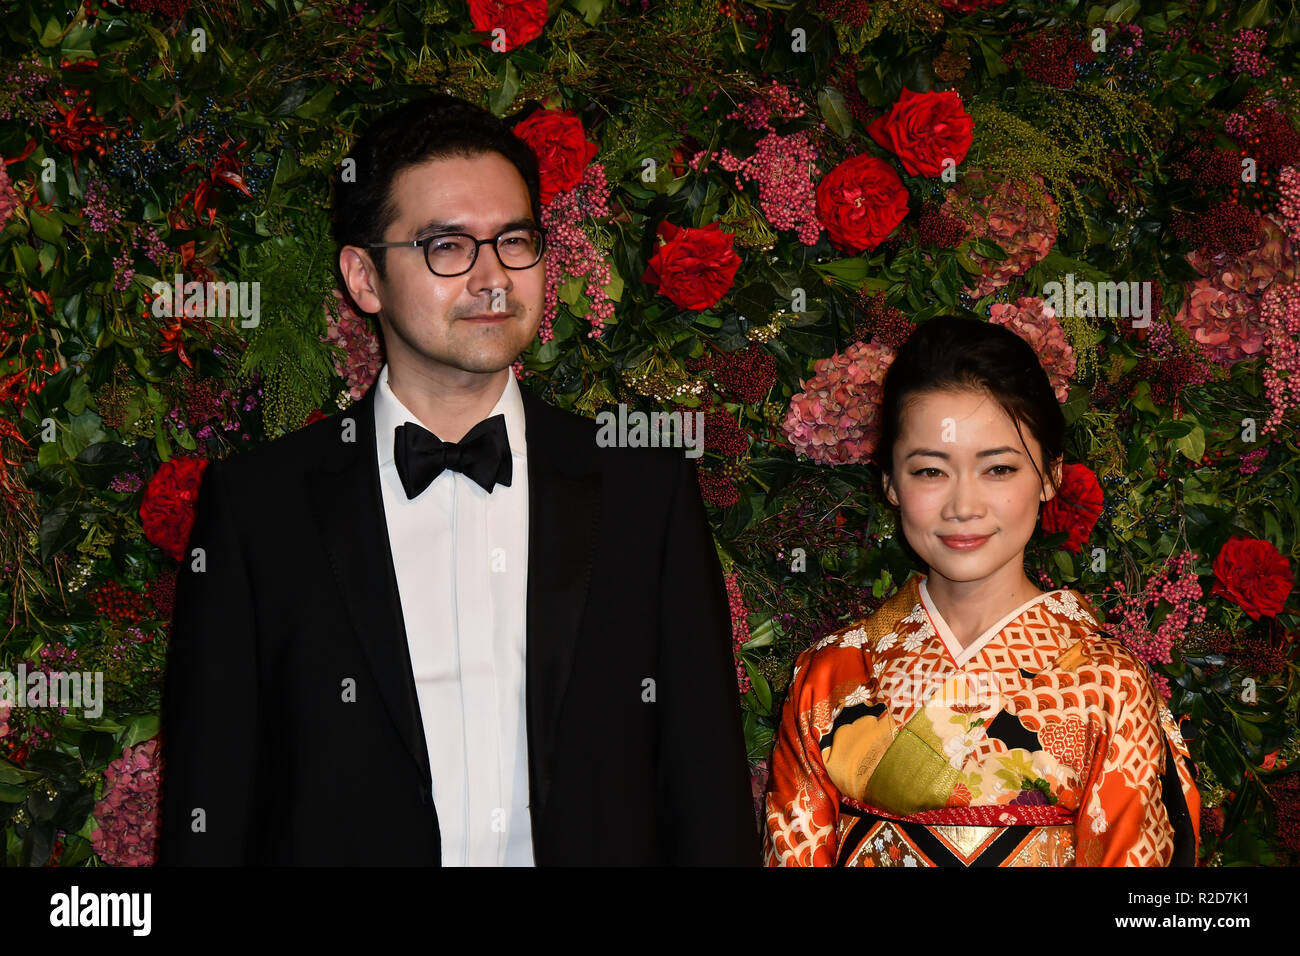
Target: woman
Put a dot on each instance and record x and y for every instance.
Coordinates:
(974, 719)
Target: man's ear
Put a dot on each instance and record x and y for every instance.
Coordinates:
(360, 277)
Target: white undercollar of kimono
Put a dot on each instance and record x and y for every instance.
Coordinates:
(961, 655)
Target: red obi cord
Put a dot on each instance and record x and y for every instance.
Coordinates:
(987, 815)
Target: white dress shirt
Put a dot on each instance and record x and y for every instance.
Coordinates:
(461, 558)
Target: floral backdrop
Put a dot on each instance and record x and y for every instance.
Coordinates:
(751, 205)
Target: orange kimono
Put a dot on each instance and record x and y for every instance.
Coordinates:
(1042, 743)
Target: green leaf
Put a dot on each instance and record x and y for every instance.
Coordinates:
(849, 270)
(97, 748)
(1192, 445)
(762, 689)
(835, 111)
(99, 463)
(1123, 11)
(1253, 16)
(12, 793)
(992, 59)
(49, 228)
(53, 30)
(12, 773)
(614, 288)
(987, 248)
(761, 636)
(590, 10)
(507, 88)
(141, 727)
(571, 290)
(317, 105)
(49, 454)
(59, 529)
(1063, 561)
(25, 259)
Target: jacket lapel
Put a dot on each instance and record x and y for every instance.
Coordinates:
(564, 494)
(345, 495)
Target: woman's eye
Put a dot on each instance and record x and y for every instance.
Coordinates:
(1009, 469)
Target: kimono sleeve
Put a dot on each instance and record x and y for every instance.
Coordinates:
(801, 805)
(1136, 808)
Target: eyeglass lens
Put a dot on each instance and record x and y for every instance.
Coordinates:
(454, 253)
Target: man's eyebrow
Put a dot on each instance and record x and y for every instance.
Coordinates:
(981, 454)
(442, 225)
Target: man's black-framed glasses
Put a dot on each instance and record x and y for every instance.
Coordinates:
(454, 253)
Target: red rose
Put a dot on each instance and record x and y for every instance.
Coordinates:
(1075, 507)
(860, 202)
(522, 20)
(924, 129)
(695, 267)
(1253, 574)
(167, 511)
(561, 147)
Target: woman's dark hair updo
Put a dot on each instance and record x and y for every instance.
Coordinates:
(950, 354)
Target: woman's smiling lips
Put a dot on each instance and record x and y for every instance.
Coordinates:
(963, 542)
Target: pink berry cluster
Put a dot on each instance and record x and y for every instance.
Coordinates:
(1288, 202)
(1247, 52)
(571, 252)
(1280, 311)
(782, 166)
(1176, 584)
(739, 627)
(776, 101)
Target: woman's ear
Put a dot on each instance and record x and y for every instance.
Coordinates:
(1049, 489)
(886, 483)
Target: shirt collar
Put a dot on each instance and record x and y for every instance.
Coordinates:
(391, 413)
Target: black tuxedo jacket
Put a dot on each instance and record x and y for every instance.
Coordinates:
(635, 747)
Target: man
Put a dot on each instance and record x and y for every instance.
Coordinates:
(443, 625)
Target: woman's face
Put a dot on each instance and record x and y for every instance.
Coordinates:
(961, 470)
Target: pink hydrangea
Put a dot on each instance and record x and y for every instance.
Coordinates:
(1272, 260)
(836, 418)
(9, 200)
(363, 358)
(127, 815)
(1226, 324)
(4, 721)
(1035, 321)
(1017, 214)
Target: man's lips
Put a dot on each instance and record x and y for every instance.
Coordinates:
(488, 317)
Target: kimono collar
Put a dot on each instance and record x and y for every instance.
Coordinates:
(961, 655)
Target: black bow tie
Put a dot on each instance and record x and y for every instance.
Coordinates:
(483, 455)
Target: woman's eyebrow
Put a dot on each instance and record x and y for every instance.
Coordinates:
(988, 452)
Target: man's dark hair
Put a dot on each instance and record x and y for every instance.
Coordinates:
(438, 127)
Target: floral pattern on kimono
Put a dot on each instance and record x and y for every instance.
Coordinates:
(1043, 742)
